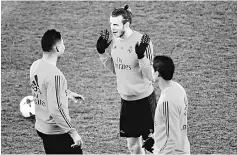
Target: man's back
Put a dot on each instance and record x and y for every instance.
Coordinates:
(49, 87)
(171, 121)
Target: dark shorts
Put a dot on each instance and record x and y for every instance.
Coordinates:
(137, 117)
(59, 144)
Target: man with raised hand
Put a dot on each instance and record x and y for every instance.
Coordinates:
(49, 88)
(131, 61)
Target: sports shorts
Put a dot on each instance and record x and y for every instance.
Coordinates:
(59, 144)
(137, 117)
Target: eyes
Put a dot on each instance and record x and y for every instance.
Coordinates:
(111, 24)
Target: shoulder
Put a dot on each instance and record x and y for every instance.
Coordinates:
(175, 95)
(168, 105)
(179, 88)
(55, 79)
(137, 35)
(35, 62)
(34, 66)
(54, 74)
(165, 97)
(54, 71)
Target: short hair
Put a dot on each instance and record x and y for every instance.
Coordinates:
(165, 66)
(49, 39)
(125, 12)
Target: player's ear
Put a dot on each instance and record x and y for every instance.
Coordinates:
(158, 74)
(155, 76)
(126, 25)
(57, 49)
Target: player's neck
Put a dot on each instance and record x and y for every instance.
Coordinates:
(50, 58)
(127, 34)
(165, 84)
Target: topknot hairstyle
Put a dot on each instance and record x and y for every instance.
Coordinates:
(126, 7)
(125, 12)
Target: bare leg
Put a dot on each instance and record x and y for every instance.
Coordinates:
(135, 145)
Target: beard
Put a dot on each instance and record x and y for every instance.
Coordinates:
(121, 34)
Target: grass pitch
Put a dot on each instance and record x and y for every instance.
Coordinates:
(199, 36)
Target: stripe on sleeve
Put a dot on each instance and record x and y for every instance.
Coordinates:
(57, 87)
(148, 52)
(166, 115)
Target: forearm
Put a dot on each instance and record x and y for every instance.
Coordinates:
(74, 134)
(62, 119)
(107, 61)
(57, 93)
(146, 68)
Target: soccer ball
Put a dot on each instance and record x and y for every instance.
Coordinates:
(27, 106)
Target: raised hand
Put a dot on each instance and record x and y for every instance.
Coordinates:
(141, 48)
(103, 41)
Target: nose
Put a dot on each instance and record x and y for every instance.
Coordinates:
(112, 27)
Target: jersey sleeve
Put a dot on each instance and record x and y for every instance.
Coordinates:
(170, 115)
(149, 52)
(146, 62)
(58, 104)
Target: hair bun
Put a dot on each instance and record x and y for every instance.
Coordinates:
(126, 7)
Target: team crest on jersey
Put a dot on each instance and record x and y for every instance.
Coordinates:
(130, 49)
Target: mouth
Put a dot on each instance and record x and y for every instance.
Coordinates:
(115, 32)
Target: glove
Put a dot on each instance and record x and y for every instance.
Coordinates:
(102, 42)
(140, 49)
(148, 144)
